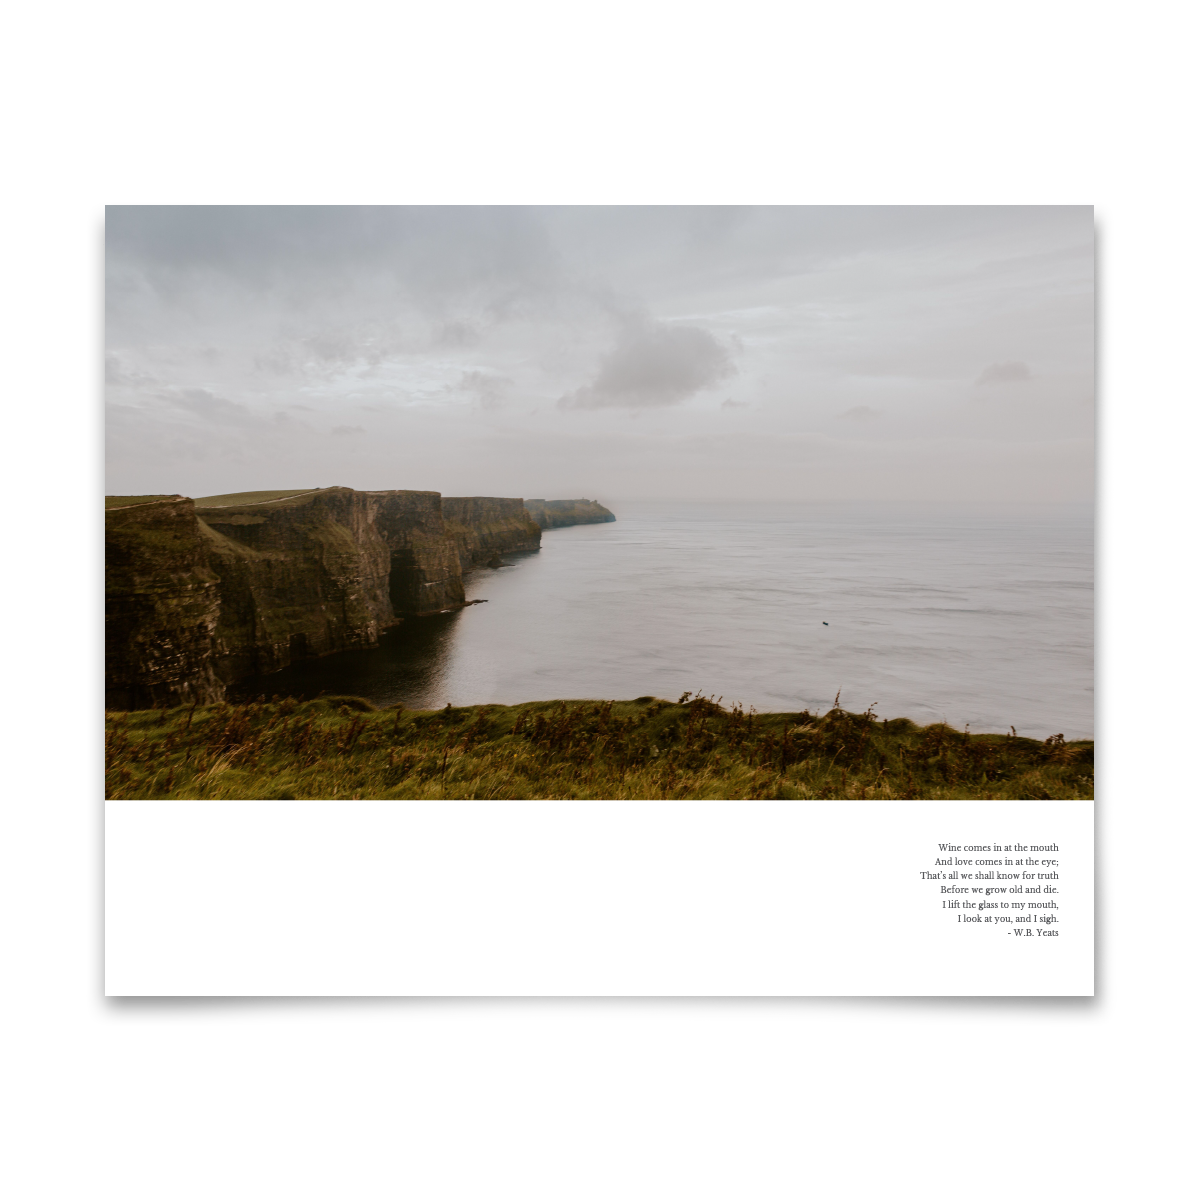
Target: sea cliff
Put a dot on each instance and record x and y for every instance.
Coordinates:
(161, 605)
(554, 514)
(297, 577)
(484, 527)
(199, 594)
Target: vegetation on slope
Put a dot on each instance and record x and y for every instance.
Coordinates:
(233, 499)
(132, 501)
(343, 748)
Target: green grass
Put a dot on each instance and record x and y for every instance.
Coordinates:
(129, 501)
(341, 748)
(235, 498)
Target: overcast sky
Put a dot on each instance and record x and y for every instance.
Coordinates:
(614, 353)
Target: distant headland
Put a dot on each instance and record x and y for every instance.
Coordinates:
(201, 593)
(554, 514)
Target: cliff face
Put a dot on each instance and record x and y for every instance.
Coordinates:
(554, 514)
(484, 527)
(161, 606)
(197, 597)
(297, 577)
(425, 574)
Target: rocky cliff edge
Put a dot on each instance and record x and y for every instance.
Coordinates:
(201, 593)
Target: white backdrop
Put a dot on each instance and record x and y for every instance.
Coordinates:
(760, 898)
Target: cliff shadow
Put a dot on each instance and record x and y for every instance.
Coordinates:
(408, 667)
(425, 579)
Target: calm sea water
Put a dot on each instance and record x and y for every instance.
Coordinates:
(968, 614)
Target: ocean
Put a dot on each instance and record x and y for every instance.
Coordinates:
(976, 615)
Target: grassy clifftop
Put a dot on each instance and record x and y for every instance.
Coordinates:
(341, 748)
(111, 502)
(234, 499)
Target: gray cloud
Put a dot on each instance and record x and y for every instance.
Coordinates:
(653, 365)
(505, 347)
(306, 254)
(457, 333)
(331, 346)
(117, 374)
(276, 362)
(489, 389)
(347, 430)
(202, 403)
(1008, 372)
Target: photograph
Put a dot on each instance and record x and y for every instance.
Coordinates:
(503, 412)
(599, 502)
